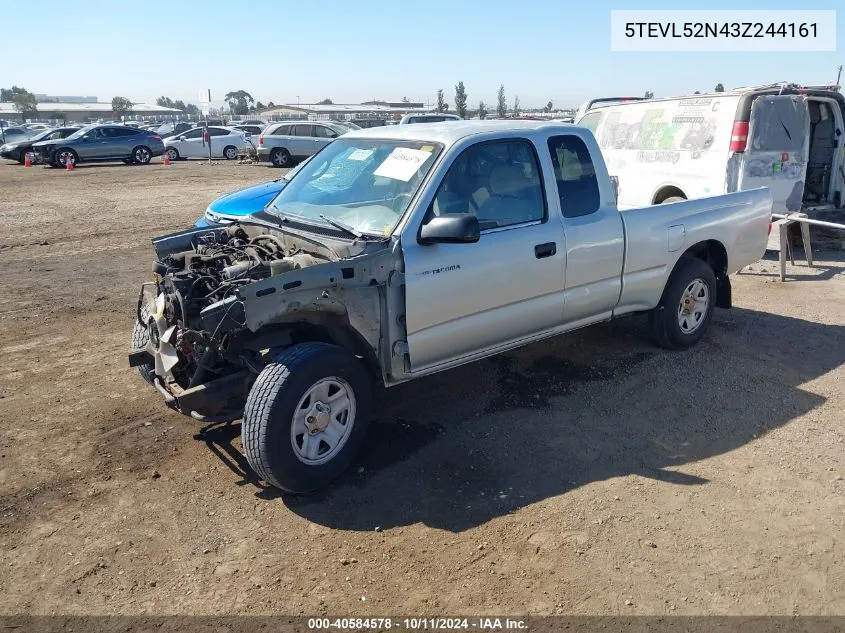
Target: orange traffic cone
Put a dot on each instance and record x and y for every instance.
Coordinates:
(27, 160)
(69, 163)
(166, 159)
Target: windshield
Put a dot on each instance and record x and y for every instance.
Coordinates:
(366, 184)
(80, 132)
(348, 124)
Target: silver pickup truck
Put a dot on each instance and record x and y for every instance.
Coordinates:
(397, 252)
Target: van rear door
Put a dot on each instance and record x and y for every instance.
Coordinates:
(777, 149)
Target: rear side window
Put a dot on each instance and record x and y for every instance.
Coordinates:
(218, 131)
(282, 130)
(302, 130)
(575, 176)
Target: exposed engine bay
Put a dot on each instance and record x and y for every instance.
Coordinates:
(193, 312)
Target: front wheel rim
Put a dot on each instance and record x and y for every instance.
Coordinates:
(171, 154)
(64, 157)
(692, 309)
(323, 421)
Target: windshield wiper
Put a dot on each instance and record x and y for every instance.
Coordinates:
(343, 227)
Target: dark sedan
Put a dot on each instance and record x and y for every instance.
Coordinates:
(17, 150)
(100, 143)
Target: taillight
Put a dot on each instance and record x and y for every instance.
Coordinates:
(261, 139)
(156, 137)
(739, 136)
(770, 228)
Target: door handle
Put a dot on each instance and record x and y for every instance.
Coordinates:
(545, 250)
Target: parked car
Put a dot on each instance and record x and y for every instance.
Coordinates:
(284, 143)
(225, 142)
(428, 118)
(398, 253)
(17, 150)
(252, 130)
(11, 134)
(785, 137)
(97, 143)
(368, 123)
(37, 127)
(166, 130)
(238, 204)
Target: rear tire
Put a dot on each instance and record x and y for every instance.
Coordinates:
(673, 199)
(306, 416)
(142, 155)
(230, 152)
(280, 157)
(685, 310)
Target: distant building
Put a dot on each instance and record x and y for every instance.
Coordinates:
(64, 99)
(88, 112)
(343, 111)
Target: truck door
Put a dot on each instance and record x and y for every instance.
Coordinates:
(595, 234)
(777, 150)
(466, 298)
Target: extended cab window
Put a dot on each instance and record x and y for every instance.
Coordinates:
(577, 185)
(498, 181)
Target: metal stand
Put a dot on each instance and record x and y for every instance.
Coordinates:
(780, 232)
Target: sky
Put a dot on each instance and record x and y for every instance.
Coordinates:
(289, 52)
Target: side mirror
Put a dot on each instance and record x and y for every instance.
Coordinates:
(181, 138)
(450, 228)
(615, 181)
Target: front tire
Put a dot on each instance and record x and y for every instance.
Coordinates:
(685, 310)
(172, 154)
(306, 416)
(64, 155)
(140, 338)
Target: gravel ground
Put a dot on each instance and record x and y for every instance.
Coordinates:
(590, 474)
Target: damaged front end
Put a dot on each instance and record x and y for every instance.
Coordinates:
(224, 301)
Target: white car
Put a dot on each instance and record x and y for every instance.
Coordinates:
(226, 142)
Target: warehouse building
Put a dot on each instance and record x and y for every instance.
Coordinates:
(86, 112)
(343, 111)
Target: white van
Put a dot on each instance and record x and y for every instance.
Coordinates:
(785, 137)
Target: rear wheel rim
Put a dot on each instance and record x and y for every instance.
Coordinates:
(322, 421)
(693, 306)
(231, 153)
(142, 155)
(280, 159)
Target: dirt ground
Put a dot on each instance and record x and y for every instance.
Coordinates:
(592, 474)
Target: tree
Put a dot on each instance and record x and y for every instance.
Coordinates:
(460, 100)
(121, 106)
(6, 94)
(516, 105)
(165, 102)
(25, 103)
(191, 109)
(649, 94)
(697, 92)
(502, 105)
(719, 88)
(442, 106)
(549, 106)
(259, 105)
(239, 101)
(482, 110)
(325, 102)
(270, 104)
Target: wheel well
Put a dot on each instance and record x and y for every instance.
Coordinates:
(714, 254)
(313, 328)
(668, 192)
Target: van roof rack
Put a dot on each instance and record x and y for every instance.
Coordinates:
(788, 85)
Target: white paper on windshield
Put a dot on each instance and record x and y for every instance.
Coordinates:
(360, 154)
(402, 163)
